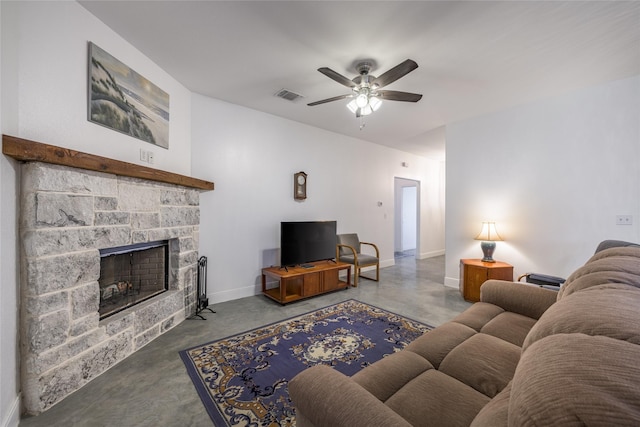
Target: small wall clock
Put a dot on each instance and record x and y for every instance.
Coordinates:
(300, 186)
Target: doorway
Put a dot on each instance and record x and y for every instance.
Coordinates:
(407, 212)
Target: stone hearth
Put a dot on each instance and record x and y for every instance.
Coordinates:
(67, 216)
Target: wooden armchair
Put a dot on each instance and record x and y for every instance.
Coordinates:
(348, 250)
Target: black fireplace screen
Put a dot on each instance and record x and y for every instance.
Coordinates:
(132, 274)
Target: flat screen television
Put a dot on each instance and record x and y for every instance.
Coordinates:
(307, 241)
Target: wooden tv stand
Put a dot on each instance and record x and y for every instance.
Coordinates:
(295, 283)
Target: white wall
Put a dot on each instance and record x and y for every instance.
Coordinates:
(552, 174)
(432, 211)
(51, 106)
(252, 156)
(44, 98)
(9, 360)
(9, 357)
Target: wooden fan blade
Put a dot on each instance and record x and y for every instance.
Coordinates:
(337, 77)
(394, 95)
(395, 73)
(324, 101)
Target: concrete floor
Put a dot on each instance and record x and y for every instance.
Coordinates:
(152, 388)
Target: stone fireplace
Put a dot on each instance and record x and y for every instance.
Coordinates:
(68, 216)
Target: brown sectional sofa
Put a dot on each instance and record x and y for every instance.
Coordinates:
(523, 356)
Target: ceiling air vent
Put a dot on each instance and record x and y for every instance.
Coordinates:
(288, 95)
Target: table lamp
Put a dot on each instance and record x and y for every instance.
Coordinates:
(489, 236)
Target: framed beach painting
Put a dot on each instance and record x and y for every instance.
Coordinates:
(125, 101)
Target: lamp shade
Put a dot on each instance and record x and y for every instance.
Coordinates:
(489, 233)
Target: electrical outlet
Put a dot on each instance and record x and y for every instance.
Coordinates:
(150, 157)
(624, 219)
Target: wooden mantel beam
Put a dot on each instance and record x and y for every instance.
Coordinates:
(31, 151)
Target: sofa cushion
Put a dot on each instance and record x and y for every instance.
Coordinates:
(577, 380)
(596, 278)
(496, 412)
(436, 399)
(328, 398)
(632, 250)
(607, 310)
(478, 315)
(511, 327)
(437, 343)
(391, 373)
(483, 362)
(614, 265)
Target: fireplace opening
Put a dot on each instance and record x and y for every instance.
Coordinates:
(132, 274)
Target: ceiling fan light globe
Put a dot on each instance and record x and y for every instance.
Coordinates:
(362, 100)
(375, 103)
(352, 106)
(365, 111)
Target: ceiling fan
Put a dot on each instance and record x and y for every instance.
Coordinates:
(366, 96)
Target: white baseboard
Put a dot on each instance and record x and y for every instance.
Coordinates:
(233, 294)
(384, 263)
(451, 282)
(431, 254)
(13, 415)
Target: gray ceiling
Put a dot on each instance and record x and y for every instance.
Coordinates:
(473, 57)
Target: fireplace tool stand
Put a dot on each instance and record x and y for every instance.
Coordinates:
(202, 302)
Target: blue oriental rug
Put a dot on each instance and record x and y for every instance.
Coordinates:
(242, 380)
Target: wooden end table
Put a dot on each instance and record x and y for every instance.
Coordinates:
(474, 272)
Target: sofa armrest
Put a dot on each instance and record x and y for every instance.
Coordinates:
(530, 301)
(326, 397)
